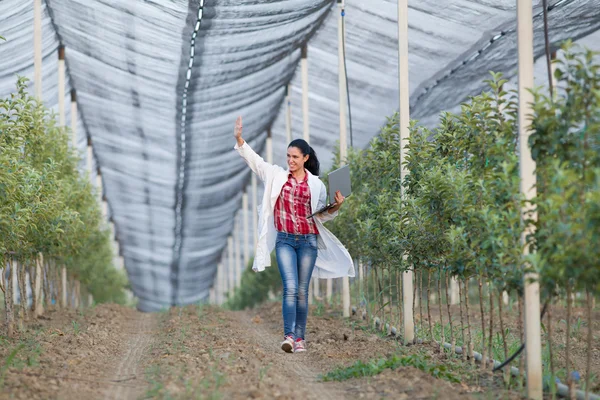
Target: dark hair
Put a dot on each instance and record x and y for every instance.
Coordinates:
(312, 164)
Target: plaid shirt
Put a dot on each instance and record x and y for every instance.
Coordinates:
(293, 208)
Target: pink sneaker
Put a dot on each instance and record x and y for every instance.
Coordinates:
(299, 346)
(288, 344)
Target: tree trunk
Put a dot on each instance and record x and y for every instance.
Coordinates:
(491, 336)
(439, 287)
(465, 347)
(421, 298)
(471, 346)
(428, 304)
(503, 332)
(367, 272)
(570, 382)
(522, 334)
(21, 274)
(588, 369)
(483, 348)
(46, 283)
(8, 298)
(400, 298)
(452, 341)
(551, 351)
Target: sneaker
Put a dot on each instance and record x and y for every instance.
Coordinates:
(299, 346)
(288, 344)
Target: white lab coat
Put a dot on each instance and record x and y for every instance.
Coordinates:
(333, 260)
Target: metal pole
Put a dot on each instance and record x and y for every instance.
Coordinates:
(306, 124)
(533, 343)
(61, 86)
(407, 279)
(343, 101)
(230, 266)
(246, 230)
(254, 210)
(304, 73)
(238, 255)
(74, 118)
(37, 47)
(288, 114)
(269, 146)
(89, 158)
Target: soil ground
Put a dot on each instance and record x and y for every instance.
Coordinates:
(204, 352)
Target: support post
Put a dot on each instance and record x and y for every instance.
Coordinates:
(230, 266)
(533, 344)
(407, 279)
(238, 256)
(74, 118)
(305, 123)
(304, 73)
(246, 228)
(269, 146)
(61, 86)
(343, 101)
(288, 114)
(254, 185)
(37, 48)
(64, 286)
(39, 277)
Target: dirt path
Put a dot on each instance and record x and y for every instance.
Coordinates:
(296, 368)
(114, 352)
(128, 380)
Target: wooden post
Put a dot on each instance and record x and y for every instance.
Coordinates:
(89, 158)
(454, 298)
(246, 230)
(230, 266)
(343, 101)
(304, 73)
(74, 118)
(533, 344)
(254, 185)
(90, 301)
(212, 299)
(269, 146)
(37, 48)
(288, 114)
(61, 86)
(306, 126)
(39, 276)
(238, 256)
(99, 187)
(407, 279)
(63, 279)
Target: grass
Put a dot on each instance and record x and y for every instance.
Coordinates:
(374, 367)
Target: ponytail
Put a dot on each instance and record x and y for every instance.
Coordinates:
(312, 164)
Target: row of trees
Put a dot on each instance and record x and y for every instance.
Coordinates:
(461, 216)
(50, 217)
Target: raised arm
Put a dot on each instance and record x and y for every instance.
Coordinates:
(254, 161)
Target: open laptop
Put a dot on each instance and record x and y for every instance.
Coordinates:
(338, 180)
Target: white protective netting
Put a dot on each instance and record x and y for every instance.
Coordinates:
(159, 85)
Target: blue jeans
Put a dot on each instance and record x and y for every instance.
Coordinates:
(296, 257)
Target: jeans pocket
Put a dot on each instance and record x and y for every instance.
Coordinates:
(312, 242)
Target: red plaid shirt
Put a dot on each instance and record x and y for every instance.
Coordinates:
(293, 208)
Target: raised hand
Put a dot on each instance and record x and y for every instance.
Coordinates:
(237, 132)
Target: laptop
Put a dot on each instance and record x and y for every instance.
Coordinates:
(338, 180)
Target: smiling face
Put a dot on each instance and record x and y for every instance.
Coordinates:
(296, 159)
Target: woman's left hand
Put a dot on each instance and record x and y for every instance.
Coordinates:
(339, 200)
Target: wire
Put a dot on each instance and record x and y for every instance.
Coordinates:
(343, 11)
(548, 56)
(520, 350)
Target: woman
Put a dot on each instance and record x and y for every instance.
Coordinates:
(301, 243)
